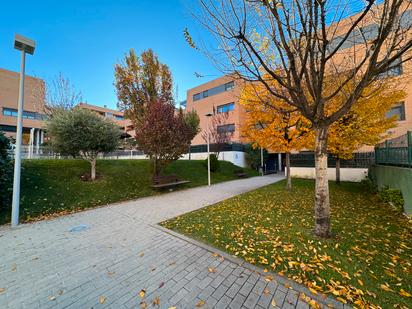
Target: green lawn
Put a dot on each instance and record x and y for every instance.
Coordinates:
(367, 262)
(52, 187)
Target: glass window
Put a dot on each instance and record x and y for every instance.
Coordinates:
(118, 117)
(227, 128)
(229, 85)
(398, 111)
(226, 108)
(10, 112)
(394, 70)
(205, 94)
(196, 97)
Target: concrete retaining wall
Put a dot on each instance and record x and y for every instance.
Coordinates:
(236, 157)
(346, 174)
(395, 178)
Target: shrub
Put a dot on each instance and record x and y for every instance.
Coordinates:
(369, 184)
(393, 196)
(6, 172)
(214, 163)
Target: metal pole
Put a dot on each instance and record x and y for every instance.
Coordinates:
(208, 160)
(17, 155)
(261, 160)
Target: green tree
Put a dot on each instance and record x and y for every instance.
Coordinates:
(6, 172)
(84, 133)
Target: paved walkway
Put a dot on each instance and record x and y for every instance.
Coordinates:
(122, 252)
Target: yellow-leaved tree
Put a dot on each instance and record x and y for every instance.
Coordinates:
(366, 123)
(274, 125)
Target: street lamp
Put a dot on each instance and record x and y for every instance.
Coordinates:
(208, 115)
(25, 45)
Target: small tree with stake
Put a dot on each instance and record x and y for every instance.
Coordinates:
(82, 132)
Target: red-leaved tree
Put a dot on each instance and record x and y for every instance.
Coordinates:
(163, 134)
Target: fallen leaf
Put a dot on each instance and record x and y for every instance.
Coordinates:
(156, 301)
(266, 291)
(102, 299)
(14, 267)
(200, 303)
(161, 284)
(2, 290)
(52, 297)
(153, 269)
(111, 273)
(141, 254)
(143, 305)
(273, 303)
(142, 293)
(211, 270)
(172, 308)
(404, 293)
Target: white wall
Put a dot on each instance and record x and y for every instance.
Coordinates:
(236, 157)
(346, 174)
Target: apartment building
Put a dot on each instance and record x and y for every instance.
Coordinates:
(218, 96)
(114, 115)
(33, 115)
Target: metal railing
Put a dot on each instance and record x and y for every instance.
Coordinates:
(396, 151)
(307, 159)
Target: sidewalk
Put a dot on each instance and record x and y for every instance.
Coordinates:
(121, 252)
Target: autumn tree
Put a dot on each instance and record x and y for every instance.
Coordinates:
(273, 125)
(217, 131)
(301, 43)
(366, 123)
(163, 134)
(140, 81)
(84, 133)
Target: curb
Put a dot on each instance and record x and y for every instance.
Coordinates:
(323, 300)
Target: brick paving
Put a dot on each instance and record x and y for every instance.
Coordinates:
(43, 265)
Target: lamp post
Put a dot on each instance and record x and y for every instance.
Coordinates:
(208, 115)
(25, 45)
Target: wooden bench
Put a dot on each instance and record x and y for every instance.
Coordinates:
(168, 181)
(240, 174)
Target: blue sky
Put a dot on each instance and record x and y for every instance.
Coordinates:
(83, 39)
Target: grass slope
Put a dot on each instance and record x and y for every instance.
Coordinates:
(54, 186)
(368, 262)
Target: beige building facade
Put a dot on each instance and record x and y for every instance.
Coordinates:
(33, 116)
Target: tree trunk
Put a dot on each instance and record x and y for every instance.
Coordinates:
(337, 170)
(93, 171)
(322, 206)
(288, 176)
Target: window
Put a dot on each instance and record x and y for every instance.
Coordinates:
(229, 85)
(227, 128)
(398, 111)
(226, 108)
(118, 117)
(109, 115)
(205, 94)
(394, 70)
(196, 97)
(11, 112)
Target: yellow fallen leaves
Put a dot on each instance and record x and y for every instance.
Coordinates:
(156, 301)
(102, 299)
(2, 290)
(200, 303)
(142, 293)
(211, 270)
(403, 293)
(273, 303)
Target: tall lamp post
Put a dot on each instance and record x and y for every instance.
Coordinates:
(25, 45)
(208, 115)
